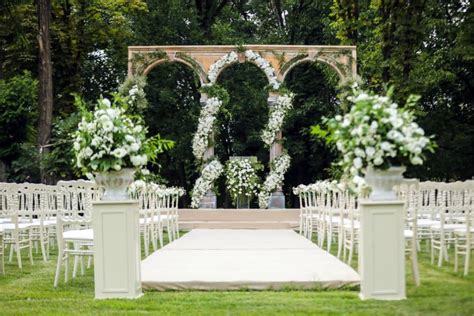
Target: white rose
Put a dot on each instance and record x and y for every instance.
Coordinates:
(117, 167)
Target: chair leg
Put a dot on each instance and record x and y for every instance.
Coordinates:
(456, 254)
(12, 249)
(58, 268)
(467, 259)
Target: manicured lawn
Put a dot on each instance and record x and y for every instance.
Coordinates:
(30, 291)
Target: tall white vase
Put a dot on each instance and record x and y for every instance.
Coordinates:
(383, 181)
(115, 183)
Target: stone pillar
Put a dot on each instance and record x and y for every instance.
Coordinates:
(382, 250)
(117, 255)
(210, 199)
(277, 198)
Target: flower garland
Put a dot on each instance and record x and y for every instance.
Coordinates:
(205, 126)
(277, 115)
(263, 64)
(274, 179)
(209, 174)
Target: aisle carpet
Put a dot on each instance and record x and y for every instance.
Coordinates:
(232, 259)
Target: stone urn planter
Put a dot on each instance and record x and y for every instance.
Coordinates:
(115, 183)
(383, 181)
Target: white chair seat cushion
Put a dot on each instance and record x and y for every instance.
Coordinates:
(424, 222)
(144, 221)
(79, 234)
(347, 224)
(49, 222)
(4, 220)
(462, 231)
(408, 233)
(449, 227)
(11, 226)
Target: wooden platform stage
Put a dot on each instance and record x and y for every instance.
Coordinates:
(239, 218)
(233, 259)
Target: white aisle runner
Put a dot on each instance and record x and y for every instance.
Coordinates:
(230, 259)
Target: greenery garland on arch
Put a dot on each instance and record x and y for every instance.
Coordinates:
(217, 96)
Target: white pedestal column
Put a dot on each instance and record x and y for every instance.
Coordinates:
(116, 249)
(382, 250)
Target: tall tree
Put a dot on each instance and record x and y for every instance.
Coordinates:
(45, 96)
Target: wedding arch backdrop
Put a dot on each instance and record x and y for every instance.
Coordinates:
(208, 62)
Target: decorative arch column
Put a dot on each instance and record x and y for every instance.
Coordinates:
(204, 60)
(277, 198)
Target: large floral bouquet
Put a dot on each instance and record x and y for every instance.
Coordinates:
(377, 133)
(109, 139)
(209, 174)
(242, 179)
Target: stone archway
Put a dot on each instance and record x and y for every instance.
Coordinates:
(282, 59)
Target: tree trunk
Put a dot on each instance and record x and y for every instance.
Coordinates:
(45, 95)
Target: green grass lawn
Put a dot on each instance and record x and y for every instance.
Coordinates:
(30, 291)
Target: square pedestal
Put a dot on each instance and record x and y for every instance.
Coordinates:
(116, 249)
(382, 250)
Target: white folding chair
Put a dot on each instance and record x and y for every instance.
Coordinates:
(2, 253)
(464, 237)
(74, 235)
(17, 232)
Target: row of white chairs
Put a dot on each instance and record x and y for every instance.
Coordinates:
(36, 216)
(441, 213)
(158, 211)
(446, 220)
(330, 209)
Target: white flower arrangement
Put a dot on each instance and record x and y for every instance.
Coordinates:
(274, 179)
(133, 89)
(241, 178)
(108, 139)
(206, 121)
(277, 115)
(375, 133)
(209, 174)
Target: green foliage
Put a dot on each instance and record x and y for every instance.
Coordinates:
(442, 292)
(133, 89)
(217, 91)
(173, 111)
(18, 114)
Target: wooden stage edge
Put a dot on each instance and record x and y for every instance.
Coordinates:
(239, 218)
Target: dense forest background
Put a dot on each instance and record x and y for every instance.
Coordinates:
(424, 47)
